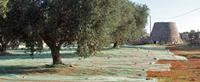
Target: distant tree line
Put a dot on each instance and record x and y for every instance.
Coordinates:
(92, 24)
(192, 37)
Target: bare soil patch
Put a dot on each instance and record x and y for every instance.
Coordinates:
(181, 71)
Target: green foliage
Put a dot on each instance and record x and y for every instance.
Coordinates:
(3, 7)
(132, 24)
(126, 25)
(62, 21)
(25, 19)
(6, 35)
(98, 18)
(141, 17)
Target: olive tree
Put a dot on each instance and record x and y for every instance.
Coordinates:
(126, 25)
(90, 23)
(141, 17)
(132, 24)
(7, 39)
(98, 19)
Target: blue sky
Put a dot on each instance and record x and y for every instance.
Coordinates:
(166, 10)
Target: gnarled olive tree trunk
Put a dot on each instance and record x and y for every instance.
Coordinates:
(55, 52)
(55, 49)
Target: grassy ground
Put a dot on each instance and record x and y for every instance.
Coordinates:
(129, 63)
(182, 71)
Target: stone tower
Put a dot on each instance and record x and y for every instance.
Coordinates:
(166, 32)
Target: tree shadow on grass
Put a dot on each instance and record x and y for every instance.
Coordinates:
(108, 49)
(146, 47)
(137, 47)
(25, 70)
(36, 56)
